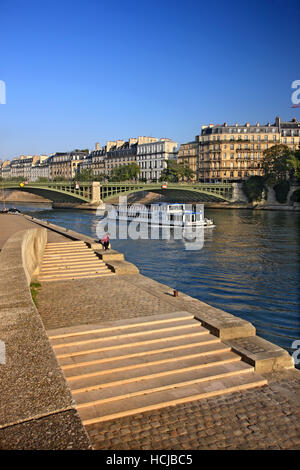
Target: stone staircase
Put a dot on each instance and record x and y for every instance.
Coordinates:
(130, 366)
(71, 260)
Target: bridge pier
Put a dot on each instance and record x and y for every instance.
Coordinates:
(96, 193)
(238, 194)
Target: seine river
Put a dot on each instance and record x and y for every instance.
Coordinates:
(248, 266)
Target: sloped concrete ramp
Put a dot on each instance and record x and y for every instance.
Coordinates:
(130, 366)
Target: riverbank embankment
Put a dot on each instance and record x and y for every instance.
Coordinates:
(260, 418)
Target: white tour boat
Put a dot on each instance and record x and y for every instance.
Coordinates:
(165, 214)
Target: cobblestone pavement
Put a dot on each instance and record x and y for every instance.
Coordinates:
(83, 301)
(262, 418)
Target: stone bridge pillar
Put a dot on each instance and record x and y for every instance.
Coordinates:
(238, 194)
(96, 192)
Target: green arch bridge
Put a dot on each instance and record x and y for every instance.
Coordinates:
(88, 193)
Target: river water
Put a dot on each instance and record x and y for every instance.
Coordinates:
(248, 266)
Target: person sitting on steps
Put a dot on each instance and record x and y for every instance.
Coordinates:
(105, 242)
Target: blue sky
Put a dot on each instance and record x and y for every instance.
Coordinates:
(78, 72)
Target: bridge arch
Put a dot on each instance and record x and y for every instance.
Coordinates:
(55, 192)
(182, 192)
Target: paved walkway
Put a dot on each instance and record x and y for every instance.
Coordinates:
(262, 418)
(10, 224)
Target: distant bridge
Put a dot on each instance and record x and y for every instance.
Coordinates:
(95, 192)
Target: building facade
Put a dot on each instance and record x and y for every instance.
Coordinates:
(40, 169)
(6, 170)
(232, 153)
(65, 165)
(152, 157)
(188, 154)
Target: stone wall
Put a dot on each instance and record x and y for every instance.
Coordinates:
(36, 407)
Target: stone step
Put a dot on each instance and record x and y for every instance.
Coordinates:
(62, 246)
(127, 341)
(169, 397)
(72, 260)
(107, 334)
(119, 324)
(107, 378)
(117, 369)
(161, 366)
(139, 349)
(64, 274)
(71, 242)
(68, 259)
(164, 382)
(159, 342)
(143, 357)
(75, 263)
(74, 269)
(71, 277)
(79, 254)
(79, 249)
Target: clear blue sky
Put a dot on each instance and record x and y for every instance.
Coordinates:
(78, 72)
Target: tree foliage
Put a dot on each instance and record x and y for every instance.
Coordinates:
(84, 175)
(276, 164)
(125, 172)
(281, 191)
(294, 162)
(176, 172)
(254, 187)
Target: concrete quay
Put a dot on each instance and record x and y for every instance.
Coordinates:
(75, 314)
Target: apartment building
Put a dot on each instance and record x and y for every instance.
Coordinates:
(228, 153)
(188, 154)
(119, 153)
(116, 153)
(21, 167)
(66, 165)
(40, 169)
(152, 157)
(5, 170)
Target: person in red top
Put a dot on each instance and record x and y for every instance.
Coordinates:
(105, 241)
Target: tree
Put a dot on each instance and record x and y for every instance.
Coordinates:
(43, 179)
(294, 162)
(125, 172)
(176, 172)
(170, 173)
(185, 172)
(254, 187)
(84, 175)
(276, 164)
